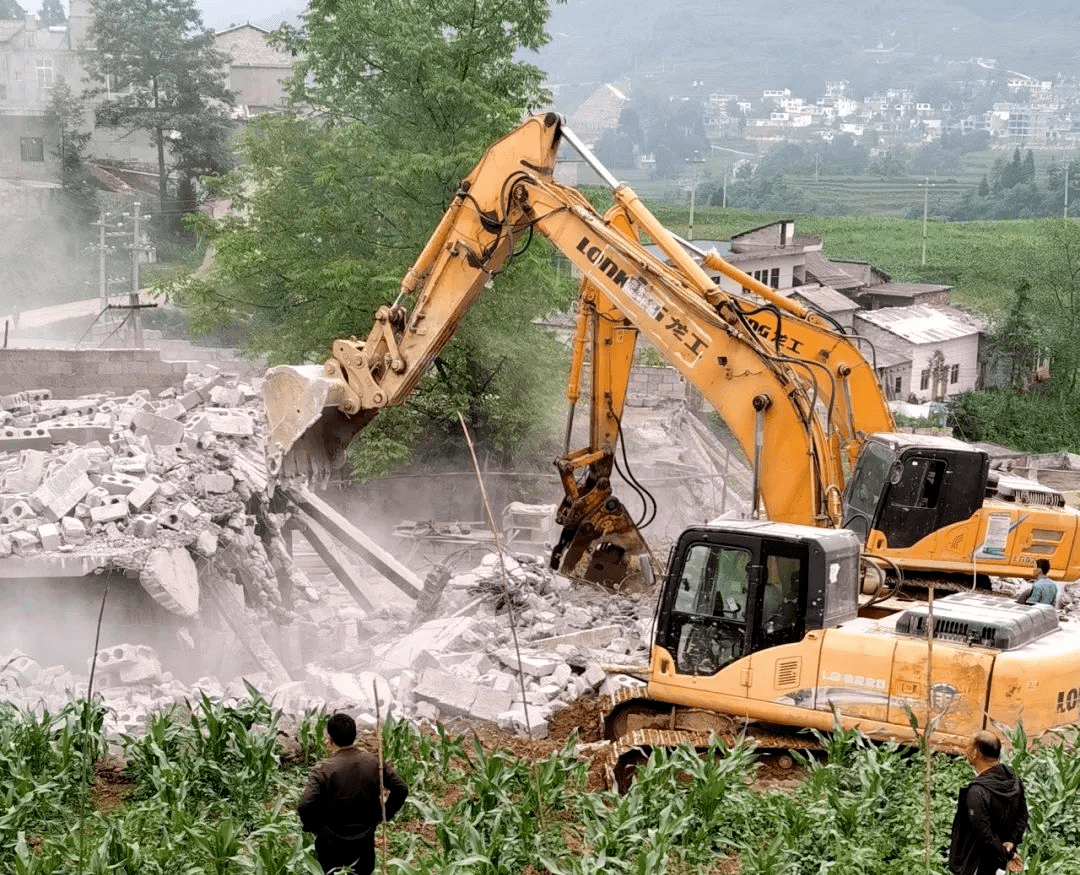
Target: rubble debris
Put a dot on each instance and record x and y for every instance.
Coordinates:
(191, 517)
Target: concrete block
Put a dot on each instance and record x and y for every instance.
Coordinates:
(73, 530)
(23, 542)
(127, 664)
(594, 675)
(28, 398)
(133, 465)
(190, 400)
(531, 664)
(79, 434)
(49, 535)
(144, 526)
(26, 477)
(63, 490)
(236, 423)
(534, 726)
(158, 429)
(115, 508)
(615, 682)
(117, 483)
(561, 676)
(17, 513)
(226, 396)
(170, 519)
(197, 426)
(171, 410)
(5, 546)
(14, 438)
(142, 494)
(24, 669)
(96, 497)
(215, 482)
(503, 682)
(189, 511)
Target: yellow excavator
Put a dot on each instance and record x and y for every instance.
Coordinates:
(798, 394)
(757, 620)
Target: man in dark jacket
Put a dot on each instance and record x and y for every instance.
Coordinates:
(342, 802)
(991, 814)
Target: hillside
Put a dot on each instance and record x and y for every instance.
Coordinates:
(746, 49)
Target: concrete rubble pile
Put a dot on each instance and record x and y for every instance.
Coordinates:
(465, 663)
(172, 490)
(148, 486)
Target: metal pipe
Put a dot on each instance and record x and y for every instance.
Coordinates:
(589, 157)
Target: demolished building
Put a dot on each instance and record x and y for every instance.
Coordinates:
(150, 509)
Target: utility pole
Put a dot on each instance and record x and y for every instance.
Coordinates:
(693, 191)
(926, 203)
(136, 251)
(103, 292)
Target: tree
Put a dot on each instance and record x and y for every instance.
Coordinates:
(51, 12)
(66, 112)
(11, 11)
(159, 71)
(1016, 337)
(332, 205)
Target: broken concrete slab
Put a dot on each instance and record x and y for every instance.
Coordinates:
(458, 697)
(585, 639)
(533, 665)
(170, 576)
(27, 475)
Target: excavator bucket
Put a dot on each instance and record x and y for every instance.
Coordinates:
(607, 549)
(308, 432)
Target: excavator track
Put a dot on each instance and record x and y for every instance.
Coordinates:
(632, 743)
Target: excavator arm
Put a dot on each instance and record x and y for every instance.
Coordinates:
(779, 377)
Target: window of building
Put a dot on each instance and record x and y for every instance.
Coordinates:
(774, 279)
(896, 386)
(44, 72)
(32, 148)
(924, 380)
(954, 374)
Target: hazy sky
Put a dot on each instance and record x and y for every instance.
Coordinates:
(219, 14)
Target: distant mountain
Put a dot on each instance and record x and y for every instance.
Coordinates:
(746, 48)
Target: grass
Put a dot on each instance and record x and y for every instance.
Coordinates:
(209, 795)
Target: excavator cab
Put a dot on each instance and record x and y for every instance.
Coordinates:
(743, 586)
(908, 486)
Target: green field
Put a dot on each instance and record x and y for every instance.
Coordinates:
(204, 791)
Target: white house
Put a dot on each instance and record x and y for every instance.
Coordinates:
(941, 343)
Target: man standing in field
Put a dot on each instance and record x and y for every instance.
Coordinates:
(343, 801)
(991, 813)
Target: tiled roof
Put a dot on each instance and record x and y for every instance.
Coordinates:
(247, 47)
(8, 29)
(827, 273)
(923, 324)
